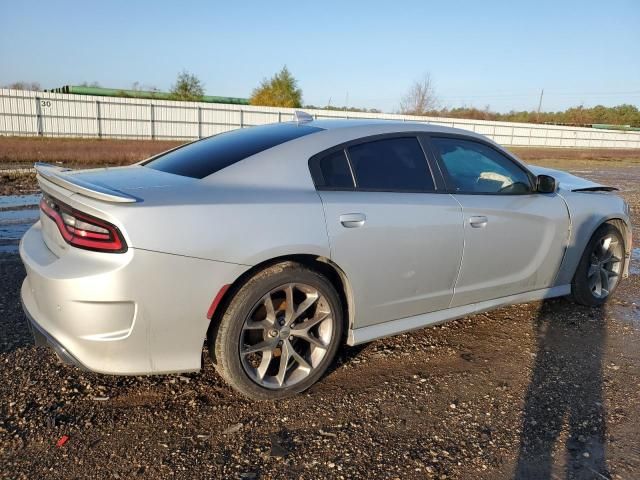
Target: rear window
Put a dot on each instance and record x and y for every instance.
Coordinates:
(202, 158)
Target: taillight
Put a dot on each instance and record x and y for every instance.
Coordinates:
(82, 230)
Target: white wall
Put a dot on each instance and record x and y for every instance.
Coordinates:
(62, 115)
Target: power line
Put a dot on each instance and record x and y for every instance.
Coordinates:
(548, 93)
(531, 94)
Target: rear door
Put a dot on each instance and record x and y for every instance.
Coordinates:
(514, 237)
(397, 236)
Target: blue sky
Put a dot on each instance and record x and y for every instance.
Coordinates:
(497, 53)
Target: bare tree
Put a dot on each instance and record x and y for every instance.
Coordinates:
(35, 86)
(144, 87)
(421, 97)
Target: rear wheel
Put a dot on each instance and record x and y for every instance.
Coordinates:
(600, 267)
(280, 332)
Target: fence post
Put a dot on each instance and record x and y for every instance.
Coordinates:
(241, 118)
(151, 119)
(98, 125)
(199, 122)
(39, 124)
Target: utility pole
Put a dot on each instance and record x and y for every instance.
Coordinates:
(539, 106)
(346, 106)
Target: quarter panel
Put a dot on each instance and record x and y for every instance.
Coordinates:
(243, 225)
(588, 211)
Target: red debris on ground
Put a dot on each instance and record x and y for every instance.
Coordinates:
(62, 441)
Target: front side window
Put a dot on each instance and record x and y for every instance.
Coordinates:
(476, 168)
(391, 164)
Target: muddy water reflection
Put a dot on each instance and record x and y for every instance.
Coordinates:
(17, 214)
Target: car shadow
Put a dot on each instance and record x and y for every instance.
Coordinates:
(345, 355)
(565, 396)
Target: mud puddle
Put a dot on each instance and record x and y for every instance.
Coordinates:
(17, 214)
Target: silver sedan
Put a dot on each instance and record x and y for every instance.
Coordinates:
(280, 243)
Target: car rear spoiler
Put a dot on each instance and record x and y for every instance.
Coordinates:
(60, 177)
(599, 188)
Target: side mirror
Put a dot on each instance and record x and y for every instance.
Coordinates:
(546, 184)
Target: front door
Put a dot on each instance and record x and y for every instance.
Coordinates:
(514, 237)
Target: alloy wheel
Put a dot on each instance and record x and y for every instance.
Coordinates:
(286, 335)
(604, 269)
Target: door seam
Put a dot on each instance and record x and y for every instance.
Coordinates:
(567, 241)
(464, 245)
(326, 225)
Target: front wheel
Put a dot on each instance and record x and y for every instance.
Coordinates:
(279, 334)
(600, 267)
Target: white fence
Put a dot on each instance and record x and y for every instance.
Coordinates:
(61, 115)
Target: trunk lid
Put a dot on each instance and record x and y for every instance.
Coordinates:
(117, 185)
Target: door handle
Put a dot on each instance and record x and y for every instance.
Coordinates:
(352, 220)
(478, 222)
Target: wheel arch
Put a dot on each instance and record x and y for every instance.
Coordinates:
(619, 223)
(320, 264)
(625, 229)
(584, 224)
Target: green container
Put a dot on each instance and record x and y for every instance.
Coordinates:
(114, 92)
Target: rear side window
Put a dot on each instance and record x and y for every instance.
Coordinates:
(202, 158)
(332, 171)
(391, 164)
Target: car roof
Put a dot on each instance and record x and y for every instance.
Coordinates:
(402, 126)
(287, 165)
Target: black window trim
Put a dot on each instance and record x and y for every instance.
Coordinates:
(445, 174)
(316, 174)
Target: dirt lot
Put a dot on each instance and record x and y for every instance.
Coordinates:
(76, 152)
(542, 390)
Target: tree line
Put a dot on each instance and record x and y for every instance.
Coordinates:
(624, 114)
(282, 90)
(421, 99)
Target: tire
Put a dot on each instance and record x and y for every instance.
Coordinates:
(258, 331)
(600, 269)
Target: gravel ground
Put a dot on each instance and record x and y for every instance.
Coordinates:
(542, 390)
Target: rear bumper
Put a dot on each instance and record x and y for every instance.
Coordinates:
(139, 312)
(42, 338)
